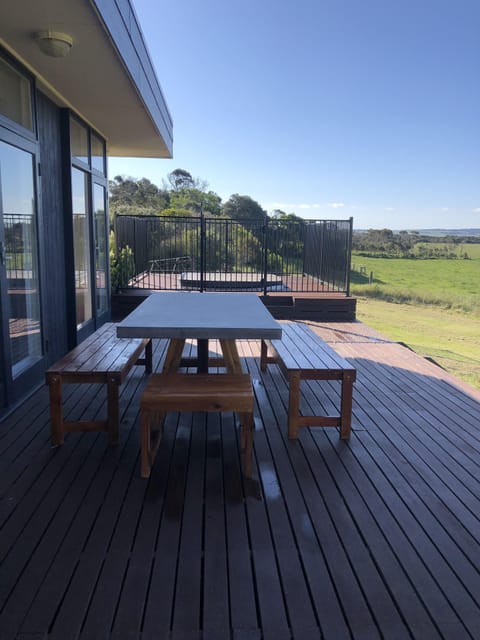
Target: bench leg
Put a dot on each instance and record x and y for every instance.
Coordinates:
(149, 444)
(56, 414)
(293, 405)
(113, 412)
(346, 409)
(263, 356)
(148, 358)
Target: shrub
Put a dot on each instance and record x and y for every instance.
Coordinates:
(122, 266)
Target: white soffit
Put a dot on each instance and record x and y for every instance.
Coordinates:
(93, 79)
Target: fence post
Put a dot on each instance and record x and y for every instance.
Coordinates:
(202, 249)
(115, 235)
(265, 253)
(304, 256)
(349, 257)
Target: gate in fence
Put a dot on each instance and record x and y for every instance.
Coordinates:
(218, 254)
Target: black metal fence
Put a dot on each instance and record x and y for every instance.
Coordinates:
(210, 253)
(19, 251)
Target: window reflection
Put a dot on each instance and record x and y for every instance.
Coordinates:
(79, 141)
(89, 222)
(101, 248)
(15, 96)
(81, 246)
(18, 211)
(98, 154)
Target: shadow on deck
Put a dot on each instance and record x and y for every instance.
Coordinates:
(375, 538)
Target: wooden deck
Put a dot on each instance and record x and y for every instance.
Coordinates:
(378, 537)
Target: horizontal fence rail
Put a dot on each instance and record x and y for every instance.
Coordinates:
(220, 254)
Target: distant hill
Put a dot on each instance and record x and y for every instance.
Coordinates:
(438, 233)
(449, 232)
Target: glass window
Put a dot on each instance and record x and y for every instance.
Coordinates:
(101, 249)
(98, 154)
(79, 141)
(90, 225)
(81, 247)
(17, 209)
(15, 96)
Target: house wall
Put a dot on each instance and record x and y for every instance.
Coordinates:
(47, 302)
(52, 232)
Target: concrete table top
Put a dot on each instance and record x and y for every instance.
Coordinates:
(226, 316)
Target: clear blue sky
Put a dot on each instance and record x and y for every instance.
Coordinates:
(324, 108)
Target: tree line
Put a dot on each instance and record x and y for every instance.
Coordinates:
(182, 195)
(384, 243)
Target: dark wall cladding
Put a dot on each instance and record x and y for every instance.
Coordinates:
(52, 228)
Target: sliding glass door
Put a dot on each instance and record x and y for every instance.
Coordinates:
(90, 227)
(21, 330)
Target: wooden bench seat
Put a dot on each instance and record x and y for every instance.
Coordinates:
(101, 358)
(302, 355)
(215, 392)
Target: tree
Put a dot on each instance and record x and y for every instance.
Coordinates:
(196, 201)
(243, 208)
(211, 203)
(190, 194)
(278, 214)
(180, 179)
(137, 193)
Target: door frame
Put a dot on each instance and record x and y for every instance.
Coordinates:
(15, 388)
(93, 177)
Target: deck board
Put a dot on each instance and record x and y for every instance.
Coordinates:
(378, 537)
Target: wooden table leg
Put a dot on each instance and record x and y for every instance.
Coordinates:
(263, 356)
(202, 355)
(231, 357)
(174, 355)
(148, 357)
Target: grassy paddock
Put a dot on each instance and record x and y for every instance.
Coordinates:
(449, 284)
(449, 338)
(433, 306)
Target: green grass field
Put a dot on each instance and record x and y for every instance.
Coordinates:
(448, 284)
(433, 306)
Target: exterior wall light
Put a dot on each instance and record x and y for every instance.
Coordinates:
(54, 43)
